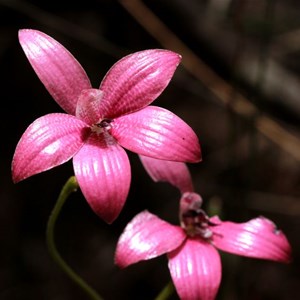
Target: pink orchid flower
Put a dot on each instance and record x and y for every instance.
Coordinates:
(192, 248)
(98, 123)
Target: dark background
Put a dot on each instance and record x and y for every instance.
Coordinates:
(249, 168)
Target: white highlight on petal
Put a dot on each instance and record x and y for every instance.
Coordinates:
(138, 243)
(51, 149)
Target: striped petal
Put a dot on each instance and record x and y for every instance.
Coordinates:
(88, 104)
(145, 237)
(156, 132)
(196, 270)
(173, 172)
(136, 80)
(59, 71)
(48, 142)
(256, 238)
(103, 173)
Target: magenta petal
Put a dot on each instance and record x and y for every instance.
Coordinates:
(146, 236)
(88, 106)
(173, 172)
(137, 80)
(196, 270)
(256, 238)
(59, 71)
(48, 142)
(156, 132)
(103, 173)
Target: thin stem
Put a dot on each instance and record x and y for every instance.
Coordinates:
(70, 187)
(166, 292)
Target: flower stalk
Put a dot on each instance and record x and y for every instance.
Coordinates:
(70, 186)
(166, 292)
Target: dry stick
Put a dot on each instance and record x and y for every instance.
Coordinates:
(219, 87)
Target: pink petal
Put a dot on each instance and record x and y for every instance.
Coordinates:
(156, 132)
(256, 238)
(59, 71)
(196, 270)
(103, 173)
(146, 236)
(137, 80)
(88, 106)
(48, 142)
(173, 172)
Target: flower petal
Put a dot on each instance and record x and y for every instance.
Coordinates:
(156, 132)
(173, 172)
(103, 173)
(48, 142)
(256, 238)
(196, 270)
(88, 104)
(137, 80)
(146, 236)
(59, 71)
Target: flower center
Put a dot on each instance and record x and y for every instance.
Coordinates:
(103, 126)
(193, 219)
(196, 222)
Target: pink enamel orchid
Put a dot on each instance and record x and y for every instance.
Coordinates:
(192, 248)
(98, 123)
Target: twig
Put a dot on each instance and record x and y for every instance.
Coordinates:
(219, 87)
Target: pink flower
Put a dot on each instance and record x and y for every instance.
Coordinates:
(192, 248)
(99, 122)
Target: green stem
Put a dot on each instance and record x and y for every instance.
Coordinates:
(70, 187)
(166, 292)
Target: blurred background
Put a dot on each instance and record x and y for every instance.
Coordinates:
(238, 87)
